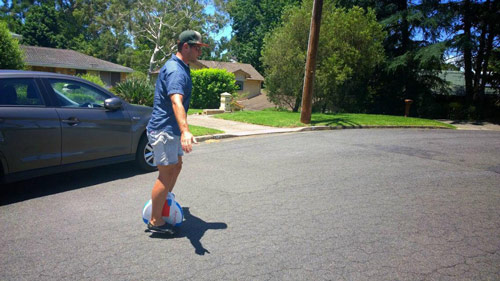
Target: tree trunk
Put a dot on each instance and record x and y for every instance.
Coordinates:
(489, 48)
(405, 28)
(489, 45)
(298, 102)
(152, 62)
(479, 75)
(467, 49)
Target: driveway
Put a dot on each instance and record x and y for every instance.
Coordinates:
(474, 126)
(331, 205)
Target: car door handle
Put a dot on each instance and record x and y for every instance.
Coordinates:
(72, 121)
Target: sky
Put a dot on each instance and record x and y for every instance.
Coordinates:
(225, 32)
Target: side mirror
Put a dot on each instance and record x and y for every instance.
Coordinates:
(113, 103)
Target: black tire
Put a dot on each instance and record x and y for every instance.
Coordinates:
(144, 155)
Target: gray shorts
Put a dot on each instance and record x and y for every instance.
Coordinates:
(166, 147)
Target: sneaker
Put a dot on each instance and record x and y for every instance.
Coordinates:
(165, 228)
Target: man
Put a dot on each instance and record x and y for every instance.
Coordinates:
(168, 130)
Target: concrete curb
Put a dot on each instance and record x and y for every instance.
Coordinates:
(305, 129)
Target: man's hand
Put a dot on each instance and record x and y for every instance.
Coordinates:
(187, 140)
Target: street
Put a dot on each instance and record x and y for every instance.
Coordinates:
(371, 204)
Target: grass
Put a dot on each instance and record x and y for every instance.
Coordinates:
(195, 111)
(292, 119)
(202, 131)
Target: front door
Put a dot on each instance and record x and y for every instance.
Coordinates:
(89, 131)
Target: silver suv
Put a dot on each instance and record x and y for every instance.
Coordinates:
(52, 123)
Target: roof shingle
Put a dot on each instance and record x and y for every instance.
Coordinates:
(233, 67)
(50, 57)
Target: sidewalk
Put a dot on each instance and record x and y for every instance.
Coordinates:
(474, 126)
(233, 128)
(238, 129)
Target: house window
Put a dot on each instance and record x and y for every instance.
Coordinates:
(239, 85)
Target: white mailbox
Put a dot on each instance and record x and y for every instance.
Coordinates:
(225, 102)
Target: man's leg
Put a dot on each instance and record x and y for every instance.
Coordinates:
(163, 185)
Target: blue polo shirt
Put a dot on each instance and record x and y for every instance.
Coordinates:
(174, 78)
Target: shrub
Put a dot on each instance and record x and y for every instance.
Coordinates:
(137, 75)
(208, 85)
(456, 111)
(11, 56)
(136, 91)
(92, 78)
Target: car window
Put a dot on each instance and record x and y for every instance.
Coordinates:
(75, 94)
(19, 91)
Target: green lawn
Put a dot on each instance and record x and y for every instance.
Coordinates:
(194, 111)
(292, 119)
(202, 131)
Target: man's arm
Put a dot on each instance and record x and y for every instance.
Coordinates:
(187, 139)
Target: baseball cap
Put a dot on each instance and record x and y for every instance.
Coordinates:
(191, 37)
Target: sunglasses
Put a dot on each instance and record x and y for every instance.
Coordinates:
(197, 47)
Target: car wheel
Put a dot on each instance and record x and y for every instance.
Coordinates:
(144, 155)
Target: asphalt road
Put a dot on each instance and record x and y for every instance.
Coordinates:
(330, 205)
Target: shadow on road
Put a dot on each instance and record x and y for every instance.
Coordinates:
(193, 228)
(52, 184)
(336, 121)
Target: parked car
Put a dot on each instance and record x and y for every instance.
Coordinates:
(53, 123)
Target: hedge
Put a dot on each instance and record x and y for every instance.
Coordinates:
(208, 85)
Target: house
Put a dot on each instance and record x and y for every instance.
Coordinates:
(456, 83)
(247, 77)
(455, 80)
(16, 36)
(73, 63)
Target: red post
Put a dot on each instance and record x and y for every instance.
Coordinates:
(408, 103)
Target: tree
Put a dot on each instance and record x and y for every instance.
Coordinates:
(493, 77)
(42, 27)
(11, 56)
(114, 30)
(481, 30)
(13, 13)
(284, 66)
(252, 20)
(414, 52)
(160, 22)
(105, 26)
(350, 48)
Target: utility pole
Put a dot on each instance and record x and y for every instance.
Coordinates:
(312, 49)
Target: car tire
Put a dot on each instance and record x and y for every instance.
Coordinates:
(144, 155)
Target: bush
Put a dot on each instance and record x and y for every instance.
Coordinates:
(137, 75)
(11, 56)
(208, 85)
(92, 78)
(136, 91)
(456, 111)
